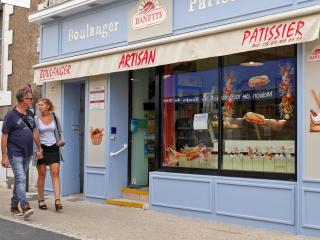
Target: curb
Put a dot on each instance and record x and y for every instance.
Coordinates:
(39, 226)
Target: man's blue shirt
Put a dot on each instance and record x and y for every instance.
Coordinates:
(20, 136)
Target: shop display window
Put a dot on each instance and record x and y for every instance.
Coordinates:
(190, 94)
(234, 113)
(259, 120)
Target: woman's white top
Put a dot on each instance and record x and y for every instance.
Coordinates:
(46, 133)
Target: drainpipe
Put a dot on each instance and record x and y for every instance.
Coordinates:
(6, 64)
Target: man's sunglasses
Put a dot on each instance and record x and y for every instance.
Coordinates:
(27, 89)
(29, 98)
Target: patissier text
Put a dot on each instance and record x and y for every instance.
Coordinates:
(276, 34)
(204, 4)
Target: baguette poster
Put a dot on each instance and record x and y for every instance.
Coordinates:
(311, 114)
(256, 118)
(315, 114)
(263, 82)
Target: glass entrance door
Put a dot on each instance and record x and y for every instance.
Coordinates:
(142, 126)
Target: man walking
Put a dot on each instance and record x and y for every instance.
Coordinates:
(18, 133)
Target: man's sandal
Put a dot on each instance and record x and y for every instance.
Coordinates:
(42, 206)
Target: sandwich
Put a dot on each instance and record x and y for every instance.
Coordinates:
(315, 117)
(254, 118)
(258, 81)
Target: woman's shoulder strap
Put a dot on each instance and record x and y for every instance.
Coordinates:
(57, 122)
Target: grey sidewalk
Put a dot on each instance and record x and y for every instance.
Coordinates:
(100, 221)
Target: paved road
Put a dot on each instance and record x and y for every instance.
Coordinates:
(16, 231)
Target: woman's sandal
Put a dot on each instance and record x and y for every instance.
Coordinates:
(42, 206)
(58, 205)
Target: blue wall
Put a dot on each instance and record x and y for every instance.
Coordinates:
(259, 203)
(186, 18)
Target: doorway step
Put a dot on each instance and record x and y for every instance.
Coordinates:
(137, 198)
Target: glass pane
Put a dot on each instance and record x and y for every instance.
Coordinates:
(142, 125)
(259, 111)
(190, 115)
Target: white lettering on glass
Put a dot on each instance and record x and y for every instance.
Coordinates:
(204, 4)
(90, 31)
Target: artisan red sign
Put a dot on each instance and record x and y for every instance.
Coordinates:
(136, 59)
(314, 55)
(277, 34)
(51, 73)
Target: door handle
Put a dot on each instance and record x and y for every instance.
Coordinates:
(125, 146)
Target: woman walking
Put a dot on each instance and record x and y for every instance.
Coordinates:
(50, 138)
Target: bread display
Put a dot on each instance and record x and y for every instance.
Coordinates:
(186, 153)
(254, 118)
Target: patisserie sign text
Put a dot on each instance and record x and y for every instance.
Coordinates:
(274, 34)
(205, 4)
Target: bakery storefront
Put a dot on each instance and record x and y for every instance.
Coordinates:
(220, 120)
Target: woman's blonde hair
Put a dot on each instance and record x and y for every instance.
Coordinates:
(48, 102)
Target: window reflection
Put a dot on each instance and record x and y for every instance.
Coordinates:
(259, 115)
(190, 98)
(257, 102)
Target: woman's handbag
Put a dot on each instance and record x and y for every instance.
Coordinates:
(57, 126)
(59, 134)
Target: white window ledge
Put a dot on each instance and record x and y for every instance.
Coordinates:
(64, 9)
(5, 98)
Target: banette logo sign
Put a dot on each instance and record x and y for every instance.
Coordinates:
(149, 13)
(314, 55)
